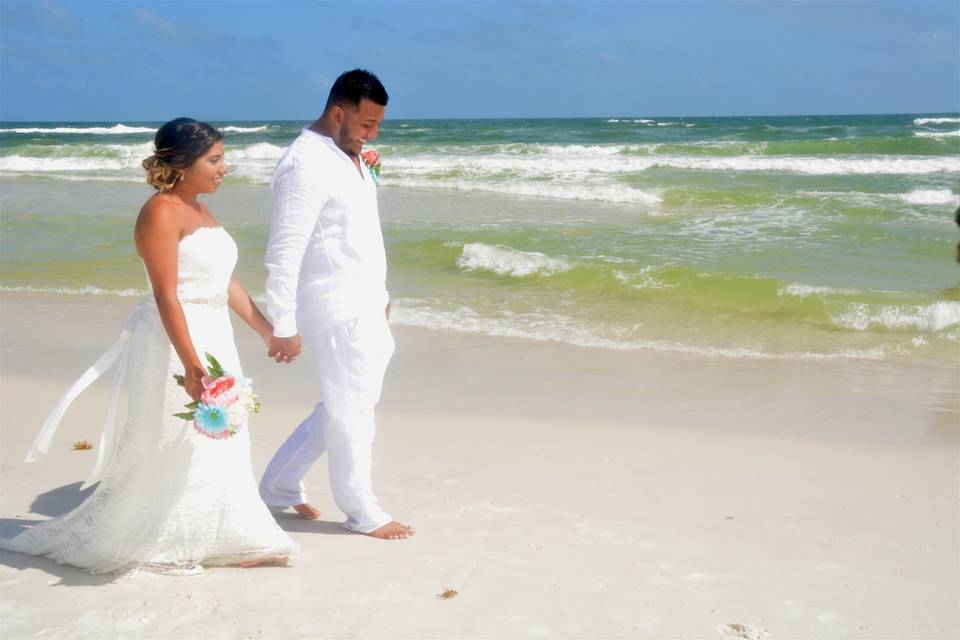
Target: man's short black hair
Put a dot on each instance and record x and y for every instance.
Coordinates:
(353, 86)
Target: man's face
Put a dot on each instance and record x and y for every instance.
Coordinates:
(358, 125)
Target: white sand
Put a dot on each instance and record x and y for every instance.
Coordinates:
(562, 492)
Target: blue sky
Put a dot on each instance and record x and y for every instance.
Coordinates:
(125, 61)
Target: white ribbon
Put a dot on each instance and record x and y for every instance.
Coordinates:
(118, 351)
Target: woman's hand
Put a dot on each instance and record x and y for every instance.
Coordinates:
(267, 335)
(193, 382)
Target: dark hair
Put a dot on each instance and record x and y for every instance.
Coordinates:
(177, 145)
(353, 86)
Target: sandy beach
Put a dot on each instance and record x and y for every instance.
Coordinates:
(675, 292)
(559, 491)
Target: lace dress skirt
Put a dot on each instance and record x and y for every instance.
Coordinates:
(171, 500)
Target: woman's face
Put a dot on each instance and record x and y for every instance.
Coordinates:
(206, 173)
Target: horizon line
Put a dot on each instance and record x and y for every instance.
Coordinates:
(784, 115)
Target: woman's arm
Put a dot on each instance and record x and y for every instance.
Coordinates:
(244, 306)
(157, 236)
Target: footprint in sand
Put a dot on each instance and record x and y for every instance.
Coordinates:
(736, 630)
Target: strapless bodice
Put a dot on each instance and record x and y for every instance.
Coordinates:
(205, 263)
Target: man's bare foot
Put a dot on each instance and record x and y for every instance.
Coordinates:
(392, 531)
(306, 511)
(275, 561)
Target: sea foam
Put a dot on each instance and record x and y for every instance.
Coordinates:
(588, 192)
(257, 151)
(931, 317)
(505, 261)
(546, 328)
(930, 196)
(28, 164)
(551, 165)
(233, 129)
(76, 291)
(118, 129)
(798, 290)
(937, 134)
(923, 121)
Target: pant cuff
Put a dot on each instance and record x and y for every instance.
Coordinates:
(366, 527)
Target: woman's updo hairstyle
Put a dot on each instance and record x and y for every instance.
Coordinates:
(177, 145)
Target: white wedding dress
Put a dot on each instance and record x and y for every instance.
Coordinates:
(170, 499)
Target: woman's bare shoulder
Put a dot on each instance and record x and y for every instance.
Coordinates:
(159, 218)
(158, 213)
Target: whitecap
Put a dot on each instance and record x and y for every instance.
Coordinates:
(931, 317)
(28, 164)
(118, 129)
(580, 164)
(930, 196)
(258, 151)
(234, 129)
(501, 260)
(937, 134)
(923, 121)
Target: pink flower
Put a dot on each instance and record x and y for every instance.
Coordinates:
(220, 392)
(371, 157)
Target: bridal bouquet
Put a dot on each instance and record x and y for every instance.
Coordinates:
(224, 404)
(372, 159)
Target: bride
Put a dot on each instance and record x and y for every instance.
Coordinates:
(169, 499)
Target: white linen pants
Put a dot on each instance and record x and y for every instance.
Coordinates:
(352, 359)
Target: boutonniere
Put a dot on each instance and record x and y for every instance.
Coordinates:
(371, 158)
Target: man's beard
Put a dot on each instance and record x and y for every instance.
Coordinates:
(345, 143)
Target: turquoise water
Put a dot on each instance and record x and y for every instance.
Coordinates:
(784, 237)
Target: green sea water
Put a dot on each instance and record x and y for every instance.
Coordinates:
(762, 237)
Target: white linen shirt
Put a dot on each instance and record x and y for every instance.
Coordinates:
(325, 258)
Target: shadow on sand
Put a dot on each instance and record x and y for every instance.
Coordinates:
(52, 503)
(293, 523)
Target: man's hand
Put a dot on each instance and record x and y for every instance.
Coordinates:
(284, 349)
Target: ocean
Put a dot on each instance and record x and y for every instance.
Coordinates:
(800, 238)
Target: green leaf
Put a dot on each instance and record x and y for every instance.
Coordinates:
(215, 369)
(184, 416)
(192, 405)
(180, 379)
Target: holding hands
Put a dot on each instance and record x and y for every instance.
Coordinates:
(284, 349)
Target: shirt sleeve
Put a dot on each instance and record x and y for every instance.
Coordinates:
(297, 202)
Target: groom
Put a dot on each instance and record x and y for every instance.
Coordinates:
(326, 282)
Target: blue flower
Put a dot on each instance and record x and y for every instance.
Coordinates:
(211, 418)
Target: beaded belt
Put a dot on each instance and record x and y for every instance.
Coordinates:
(217, 301)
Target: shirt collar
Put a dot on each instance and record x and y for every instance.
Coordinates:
(333, 145)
